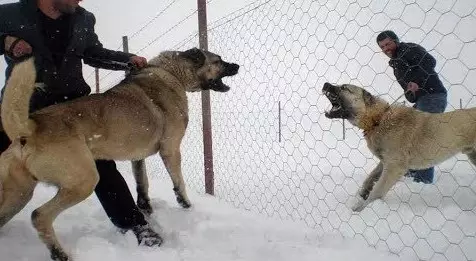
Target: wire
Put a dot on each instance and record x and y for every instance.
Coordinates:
(167, 31)
(161, 12)
(216, 24)
(153, 19)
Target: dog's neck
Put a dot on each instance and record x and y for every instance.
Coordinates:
(171, 62)
(371, 118)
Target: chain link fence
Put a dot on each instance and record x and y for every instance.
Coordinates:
(275, 153)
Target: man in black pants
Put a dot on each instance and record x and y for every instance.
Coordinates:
(59, 33)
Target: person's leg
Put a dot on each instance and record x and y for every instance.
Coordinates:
(4, 141)
(116, 199)
(435, 103)
(411, 173)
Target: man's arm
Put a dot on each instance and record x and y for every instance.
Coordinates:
(10, 45)
(428, 61)
(418, 56)
(2, 42)
(95, 52)
(421, 65)
(2, 30)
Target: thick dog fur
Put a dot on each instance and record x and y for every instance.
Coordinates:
(145, 114)
(401, 137)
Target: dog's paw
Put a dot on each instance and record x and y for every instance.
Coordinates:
(181, 199)
(144, 206)
(359, 205)
(364, 193)
(184, 203)
(58, 254)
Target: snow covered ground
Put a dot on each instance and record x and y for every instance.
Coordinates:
(210, 231)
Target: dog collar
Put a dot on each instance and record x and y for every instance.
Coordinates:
(375, 123)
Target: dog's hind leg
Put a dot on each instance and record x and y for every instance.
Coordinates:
(142, 186)
(44, 216)
(75, 175)
(471, 153)
(390, 175)
(16, 190)
(172, 161)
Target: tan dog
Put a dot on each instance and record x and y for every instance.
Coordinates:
(402, 138)
(145, 114)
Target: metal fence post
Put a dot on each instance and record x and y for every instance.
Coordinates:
(96, 73)
(343, 129)
(206, 107)
(279, 121)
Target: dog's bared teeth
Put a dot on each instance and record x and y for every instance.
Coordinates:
(336, 108)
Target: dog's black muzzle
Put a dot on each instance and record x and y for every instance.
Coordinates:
(230, 69)
(329, 88)
(332, 93)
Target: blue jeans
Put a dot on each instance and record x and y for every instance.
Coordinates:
(433, 103)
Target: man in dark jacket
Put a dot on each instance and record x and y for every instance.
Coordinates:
(60, 33)
(414, 69)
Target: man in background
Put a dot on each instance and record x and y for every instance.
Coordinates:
(414, 69)
(60, 33)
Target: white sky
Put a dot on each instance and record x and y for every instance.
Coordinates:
(120, 17)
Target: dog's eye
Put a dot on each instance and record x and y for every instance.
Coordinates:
(346, 88)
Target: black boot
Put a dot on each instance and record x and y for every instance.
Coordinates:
(147, 236)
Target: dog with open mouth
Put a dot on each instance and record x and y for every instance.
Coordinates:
(145, 114)
(401, 137)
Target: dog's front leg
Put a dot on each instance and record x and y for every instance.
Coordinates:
(370, 181)
(367, 186)
(142, 185)
(389, 176)
(172, 161)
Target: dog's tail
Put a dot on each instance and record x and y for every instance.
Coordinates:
(16, 100)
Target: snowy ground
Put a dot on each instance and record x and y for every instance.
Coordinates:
(211, 230)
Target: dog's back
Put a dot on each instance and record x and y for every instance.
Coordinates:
(421, 136)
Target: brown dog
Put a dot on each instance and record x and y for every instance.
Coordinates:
(402, 138)
(145, 114)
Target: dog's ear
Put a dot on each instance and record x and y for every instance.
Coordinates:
(369, 99)
(195, 55)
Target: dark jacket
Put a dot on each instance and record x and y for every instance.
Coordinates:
(412, 63)
(21, 20)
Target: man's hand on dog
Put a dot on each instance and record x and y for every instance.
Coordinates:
(412, 87)
(138, 61)
(20, 49)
